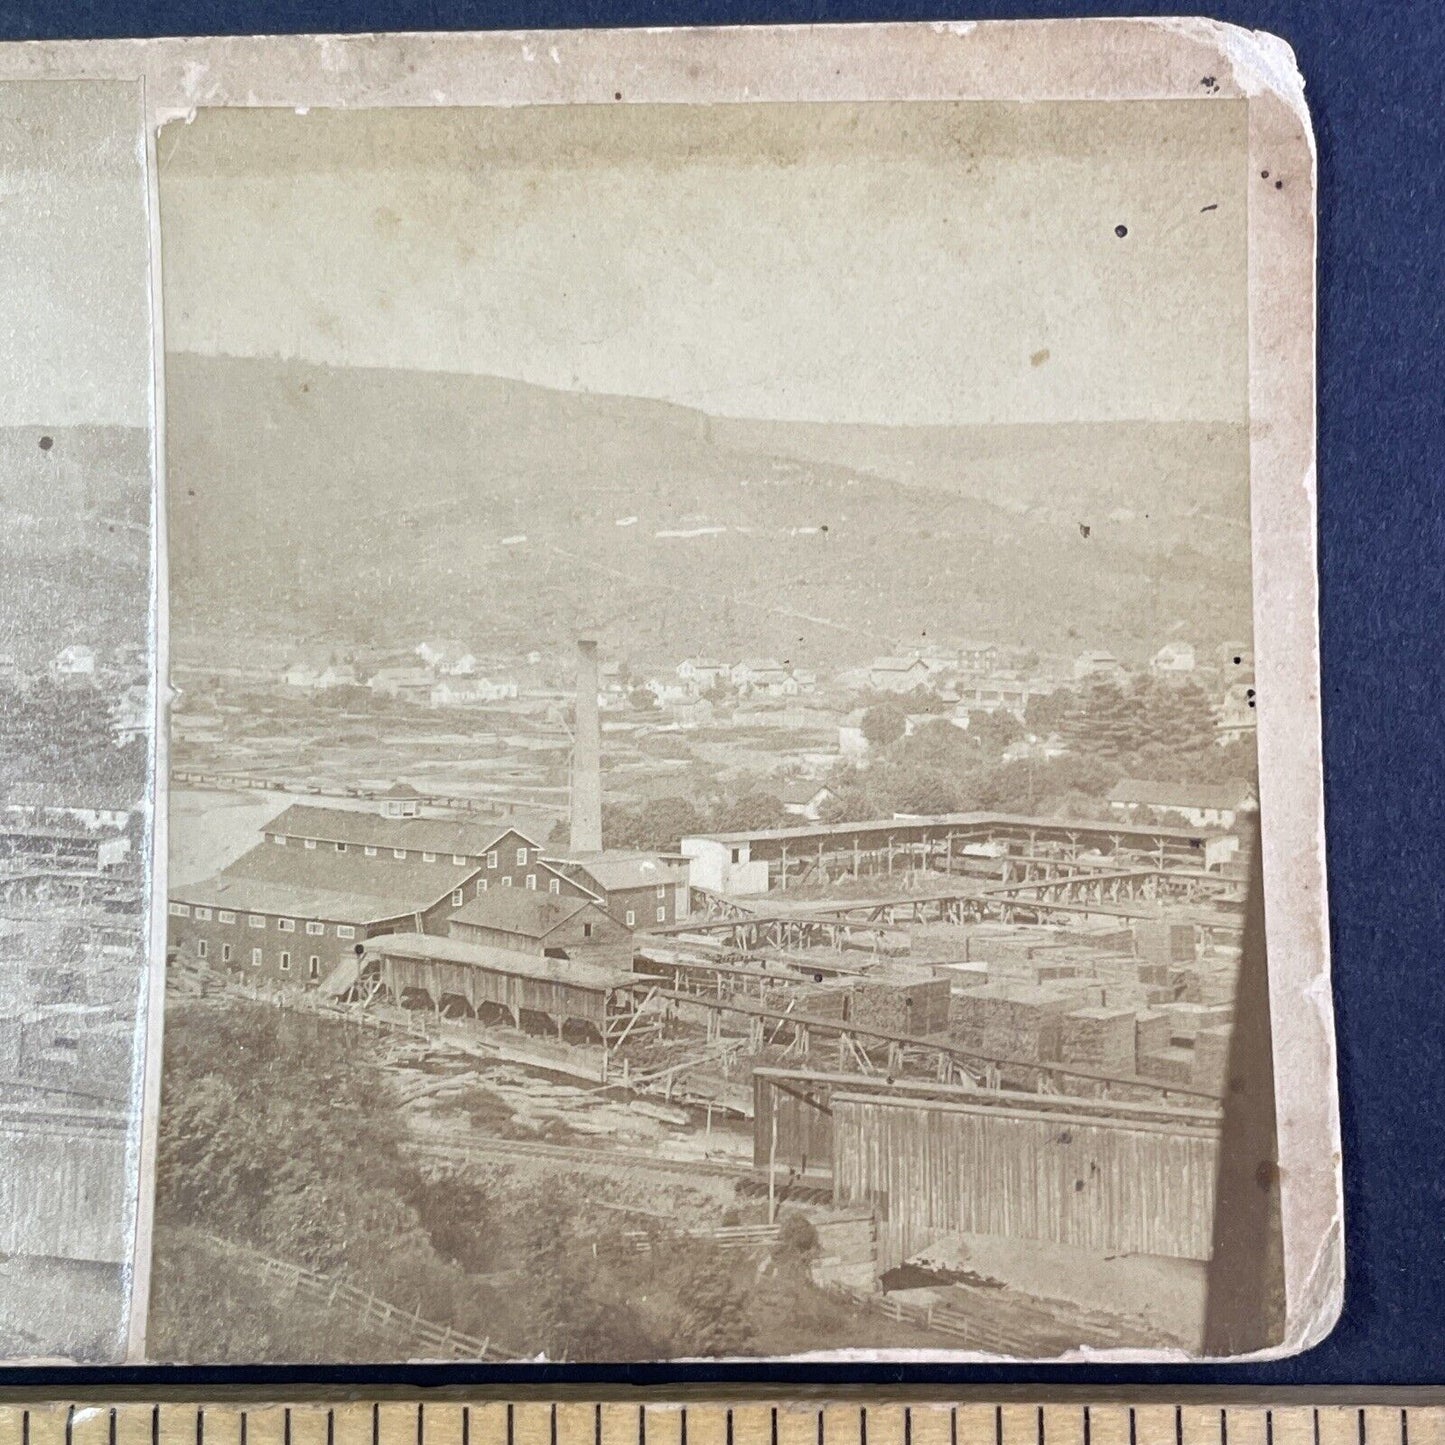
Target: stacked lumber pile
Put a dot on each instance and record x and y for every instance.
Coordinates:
(1012, 1020)
(1187, 1019)
(1152, 1032)
(1098, 1038)
(1211, 1058)
(901, 1001)
(1160, 940)
(1214, 979)
(826, 1000)
(1172, 1065)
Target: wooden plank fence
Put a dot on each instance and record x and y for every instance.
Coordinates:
(728, 1236)
(438, 1341)
(968, 1330)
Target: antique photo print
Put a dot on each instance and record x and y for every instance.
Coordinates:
(75, 710)
(714, 793)
(659, 696)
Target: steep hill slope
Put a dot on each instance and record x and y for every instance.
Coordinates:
(381, 505)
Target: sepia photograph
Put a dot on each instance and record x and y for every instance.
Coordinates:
(713, 775)
(75, 711)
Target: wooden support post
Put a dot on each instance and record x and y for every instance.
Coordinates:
(783, 870)
(773, 1164)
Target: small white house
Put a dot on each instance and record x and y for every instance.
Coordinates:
(1172, 659)
(702, 674)
(899, 674)
(1200, 805)
(77, 660)
(1097, 663)
(804, 799)
(723, 864)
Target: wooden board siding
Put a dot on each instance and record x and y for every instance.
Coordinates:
(64, 1191)
(939, 1169)
(329, 948)
(512, 990)
(610, 944)
(804, 1132)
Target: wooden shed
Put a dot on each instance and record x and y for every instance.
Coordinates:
(471, 979)
(932, 1168)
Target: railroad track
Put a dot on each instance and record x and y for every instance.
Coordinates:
(477, 1151)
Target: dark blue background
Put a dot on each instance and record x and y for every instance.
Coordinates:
(1373, 72)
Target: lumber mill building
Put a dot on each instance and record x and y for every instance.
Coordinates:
(538, 923)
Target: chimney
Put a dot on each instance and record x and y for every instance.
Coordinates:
(587, 755)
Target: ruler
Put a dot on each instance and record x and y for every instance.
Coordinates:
(1415, 1418)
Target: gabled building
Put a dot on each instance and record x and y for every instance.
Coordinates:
(899, 674)
(541, 923)
(499, 848)
(400, 800)
(639, 890)
(761, 675)
(702, 674)
(977, 657)
(993, 694)
(75, 661)
(1201, 805)
(1096, 663)
(291, 920)
(1172, 660)
(805, 799)
(405, 684)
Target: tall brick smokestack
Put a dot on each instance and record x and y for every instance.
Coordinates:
(587, 755)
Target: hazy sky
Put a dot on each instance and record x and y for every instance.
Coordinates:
(74, 254)
(924, 263)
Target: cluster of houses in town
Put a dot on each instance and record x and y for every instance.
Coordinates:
(438, 677)
(963, 680)
(117, 676)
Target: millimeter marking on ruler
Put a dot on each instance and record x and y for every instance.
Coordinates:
(529, 1420)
